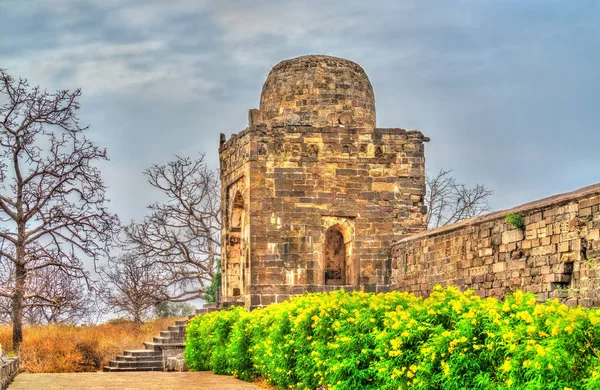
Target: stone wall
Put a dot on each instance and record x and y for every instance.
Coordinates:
(298, 182)
(235, 192)
(8, 370)
(557, 254)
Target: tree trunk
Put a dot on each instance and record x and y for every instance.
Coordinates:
(137, 318)
(17, 307)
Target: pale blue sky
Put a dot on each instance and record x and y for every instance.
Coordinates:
(508, 91)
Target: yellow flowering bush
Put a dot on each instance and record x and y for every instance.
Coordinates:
(450, 340)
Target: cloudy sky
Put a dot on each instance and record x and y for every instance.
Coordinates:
(508, 91)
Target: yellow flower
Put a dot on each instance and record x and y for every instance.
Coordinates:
(568, 329)
(446, 367)
(540, 350)
(457, 307)
(506, 365)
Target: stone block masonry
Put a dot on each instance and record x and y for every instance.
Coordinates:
(313, 209)
(556, 255)
(8, 370)
(313, 193)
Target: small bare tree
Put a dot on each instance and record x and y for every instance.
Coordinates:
(72, 299)
(181, 236)
(67, 300)
(132, 288)
(53, 210)
(448, 201)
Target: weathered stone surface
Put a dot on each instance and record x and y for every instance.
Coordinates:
(130, 381)
(319, 91)
(278, 206)
(8, 369)
(558, 251)
(286, 184)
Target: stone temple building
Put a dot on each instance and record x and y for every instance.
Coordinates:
(313, 192)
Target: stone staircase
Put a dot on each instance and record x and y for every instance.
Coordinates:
(163, 353)
(136, 360)
(171, 342)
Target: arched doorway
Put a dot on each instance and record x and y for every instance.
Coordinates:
(335, 253)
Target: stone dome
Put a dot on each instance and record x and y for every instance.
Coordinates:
(318, 90)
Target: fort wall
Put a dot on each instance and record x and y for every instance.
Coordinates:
(555, 255)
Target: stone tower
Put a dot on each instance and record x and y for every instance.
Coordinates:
(313, 193)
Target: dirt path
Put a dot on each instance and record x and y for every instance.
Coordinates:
(129, 381)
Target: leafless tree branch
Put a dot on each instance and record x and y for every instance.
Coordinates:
(181, 236)
(132, 288)
(52, 198)
(449, 202)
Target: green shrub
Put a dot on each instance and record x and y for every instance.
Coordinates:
(515, 220)
(451, 340)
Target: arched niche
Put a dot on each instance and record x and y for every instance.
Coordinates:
(338, 264)
(334, 253)
(235, 246)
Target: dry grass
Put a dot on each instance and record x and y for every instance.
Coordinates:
(57, 348)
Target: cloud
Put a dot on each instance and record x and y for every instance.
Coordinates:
(505, 89)
(124, 68)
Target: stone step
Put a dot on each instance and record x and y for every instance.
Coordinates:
(119, 364)
(168, 340)
(170, 333)
(175, 328)
(141, 352)
(149, 358)
(160, 347)
(205, 310)
(130, 369)
(181, 322)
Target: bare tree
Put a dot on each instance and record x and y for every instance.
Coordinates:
(73, 301)
(68, 300)
(53, 210)
(448, 201)
(182, 234)
(132, 288)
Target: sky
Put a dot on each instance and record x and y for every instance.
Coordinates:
(508, 91)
